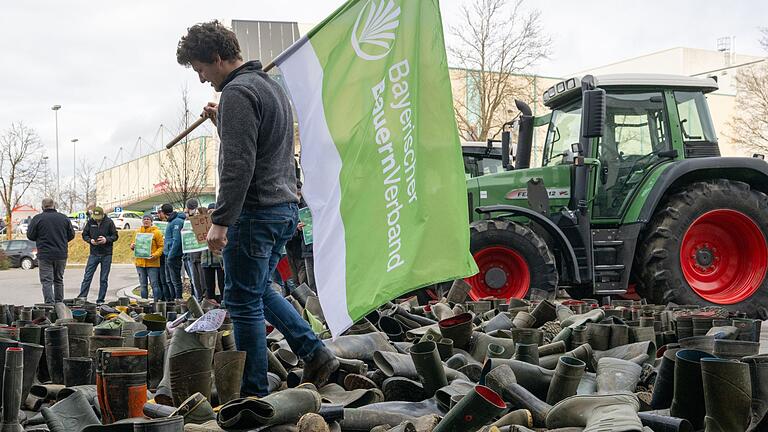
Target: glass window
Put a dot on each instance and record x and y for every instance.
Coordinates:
(4, 245)
(564, 130)
(16, 245)
(113, 215)
(635, 132)
(695, 121)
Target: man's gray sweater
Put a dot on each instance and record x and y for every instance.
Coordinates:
(256, 164)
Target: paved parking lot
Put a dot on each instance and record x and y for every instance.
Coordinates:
(22, 287)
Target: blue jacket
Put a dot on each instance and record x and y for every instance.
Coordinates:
(172, 246)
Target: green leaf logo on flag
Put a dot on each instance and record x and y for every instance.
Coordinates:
(373, 33)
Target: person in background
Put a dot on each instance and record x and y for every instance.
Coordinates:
(192, 259)
(51, 231)
(149, 268)
(213, 270)
(172, 247)
(100, 233)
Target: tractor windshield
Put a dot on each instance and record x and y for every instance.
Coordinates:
(564, 128)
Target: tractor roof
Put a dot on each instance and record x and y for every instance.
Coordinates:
(570, 88)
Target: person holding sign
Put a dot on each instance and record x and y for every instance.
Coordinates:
(147, 247)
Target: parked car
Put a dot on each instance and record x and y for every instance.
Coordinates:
(20, 253)
(75, 224)
(126, 220)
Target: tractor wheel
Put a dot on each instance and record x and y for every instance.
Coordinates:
(707, 245)
(511, 258)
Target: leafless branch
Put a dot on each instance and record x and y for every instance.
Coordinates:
(498, 43)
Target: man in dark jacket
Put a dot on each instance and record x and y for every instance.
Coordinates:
(100, 233)
(172, 247)
(51, 231)
(256, 211)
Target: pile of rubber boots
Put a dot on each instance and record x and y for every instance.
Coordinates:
(450, 365)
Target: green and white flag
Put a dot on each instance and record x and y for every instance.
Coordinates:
(382, 161)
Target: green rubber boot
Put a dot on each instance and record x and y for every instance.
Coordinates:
(727, 394)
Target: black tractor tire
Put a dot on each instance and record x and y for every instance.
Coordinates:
(520, 238)
(658, 259)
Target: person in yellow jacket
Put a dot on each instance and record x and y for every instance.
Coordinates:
(149, 268)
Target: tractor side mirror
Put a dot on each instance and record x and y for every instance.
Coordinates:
(593, 118)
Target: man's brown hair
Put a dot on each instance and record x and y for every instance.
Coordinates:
(206, 40)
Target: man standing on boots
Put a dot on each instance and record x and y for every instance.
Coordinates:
(256, 211)
(100, 233)
(51, 231)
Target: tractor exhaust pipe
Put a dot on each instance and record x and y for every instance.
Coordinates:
(525, 136)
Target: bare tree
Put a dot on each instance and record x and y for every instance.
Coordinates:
(497, 43)
(86, 183)
(182, 167)
(750, 124)
(21, 156)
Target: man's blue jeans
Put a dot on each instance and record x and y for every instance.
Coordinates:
(173, 275)
(90, 269)
(251, 255)
(151, 275)
(167, 292)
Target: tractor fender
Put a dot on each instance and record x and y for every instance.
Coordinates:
(546, 224)
(753, 171)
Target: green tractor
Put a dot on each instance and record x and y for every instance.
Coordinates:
(632, 194)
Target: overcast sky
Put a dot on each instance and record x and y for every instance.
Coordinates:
(111, 64)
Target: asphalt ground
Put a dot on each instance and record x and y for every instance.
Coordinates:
(22, 287)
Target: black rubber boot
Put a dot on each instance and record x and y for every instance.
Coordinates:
(13, 377)
(156, 341)
(503, 381)
(596, 413)
(78, 371)
(599, 336)
(56, 350)
(616, 375)
(32, 354)
(727, 394)
(282, 407)
(528, 353)
(458, 328)
(319, 368)
(474, 410)
(663, 388)
(534, 378)
(664, 423)
(566, 379)
(429, 367)
(688, 400)
(228, 369)
(195, 409)
(459, 291)
(758, 372)
(77, 336)
(73, 413)
(545, 311)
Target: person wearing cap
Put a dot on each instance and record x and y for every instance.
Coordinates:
(51, 231)
(192, 259)
(149, 268)
(100, 233)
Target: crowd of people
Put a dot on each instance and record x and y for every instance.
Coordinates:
(162, 271)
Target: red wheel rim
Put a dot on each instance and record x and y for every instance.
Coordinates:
(503, 274)
(724, 256)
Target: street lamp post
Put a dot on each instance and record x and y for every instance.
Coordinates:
(56, 109)
(74, 165)
(45, 181)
